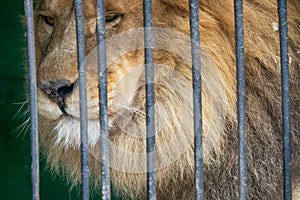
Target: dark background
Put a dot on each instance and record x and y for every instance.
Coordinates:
(15, 160)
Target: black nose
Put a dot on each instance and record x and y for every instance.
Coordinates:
(57, 90)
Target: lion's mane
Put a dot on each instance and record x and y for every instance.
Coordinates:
(175, 177)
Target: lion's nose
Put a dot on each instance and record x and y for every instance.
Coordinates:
(57, 90)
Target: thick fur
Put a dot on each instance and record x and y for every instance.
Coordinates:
(59, 132)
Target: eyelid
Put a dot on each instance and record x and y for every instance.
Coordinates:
(112, 19)
(47, 18)
(45, 13)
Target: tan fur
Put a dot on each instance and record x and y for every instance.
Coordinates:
(59, 134)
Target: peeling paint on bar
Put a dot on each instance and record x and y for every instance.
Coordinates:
(149, 75)
(196, 64)
(102, 79)
(35, 171)
(241, 99)
(285, 84)
(83, 100)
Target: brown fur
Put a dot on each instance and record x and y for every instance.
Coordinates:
(56, 56)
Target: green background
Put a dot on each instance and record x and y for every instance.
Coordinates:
(15, 179)
(15, 160)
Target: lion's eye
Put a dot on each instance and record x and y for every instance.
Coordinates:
(112, 19)
(50, 21)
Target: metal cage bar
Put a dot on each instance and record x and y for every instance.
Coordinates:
(285, 84)
(150, 118)
(83, 100)
(102, 76)
(241, 100)
(35, 176)
(197, 99)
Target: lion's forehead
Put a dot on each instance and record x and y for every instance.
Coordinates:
(89, 6)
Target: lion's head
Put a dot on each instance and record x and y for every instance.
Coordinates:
(58, 91)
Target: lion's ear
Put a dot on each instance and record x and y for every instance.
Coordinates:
(181, 4)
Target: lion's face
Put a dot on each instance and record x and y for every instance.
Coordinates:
(58, 93)
(57, 71)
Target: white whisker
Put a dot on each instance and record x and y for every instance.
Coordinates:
(118, 103)
(23, 128)
(129, 108)
(22, 109)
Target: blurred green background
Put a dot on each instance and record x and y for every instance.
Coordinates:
(15, 181)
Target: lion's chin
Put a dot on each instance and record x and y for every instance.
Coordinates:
(67, 131)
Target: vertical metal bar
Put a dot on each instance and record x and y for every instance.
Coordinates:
(239, 35)
(196, 70)
(197, 99)
(83, 100)
(285, 77)
(35, 177)
(150, 118)
(102, 76)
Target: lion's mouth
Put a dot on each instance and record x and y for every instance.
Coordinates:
(66, 121)
(56, 104)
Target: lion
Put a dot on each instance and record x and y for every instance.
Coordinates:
(58, 96)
